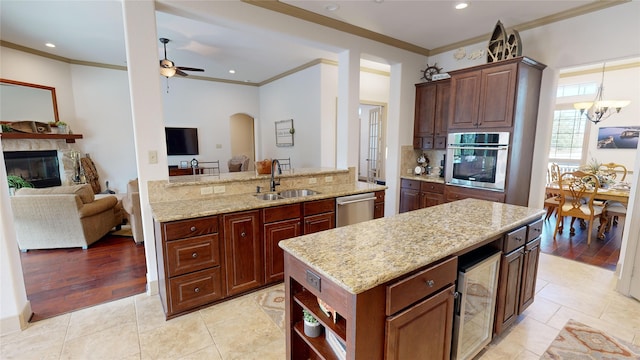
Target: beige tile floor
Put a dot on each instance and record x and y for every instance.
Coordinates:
(134, 328)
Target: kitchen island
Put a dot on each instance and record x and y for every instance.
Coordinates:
(396, 269)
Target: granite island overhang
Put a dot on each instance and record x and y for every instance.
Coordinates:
(362, 256)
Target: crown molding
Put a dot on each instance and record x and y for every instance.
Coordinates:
(598, 70)
(277, 6)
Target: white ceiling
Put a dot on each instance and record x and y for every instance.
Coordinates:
(92, 31)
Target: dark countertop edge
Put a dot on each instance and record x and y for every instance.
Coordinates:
(248, 202)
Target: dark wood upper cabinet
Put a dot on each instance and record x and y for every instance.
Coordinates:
(431, 115)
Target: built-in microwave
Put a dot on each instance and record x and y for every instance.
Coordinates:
(477, 160)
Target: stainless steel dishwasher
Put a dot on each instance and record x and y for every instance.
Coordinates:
(354, 209)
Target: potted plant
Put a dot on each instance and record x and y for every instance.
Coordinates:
(312, 327)
(17, 182)
(62, 127)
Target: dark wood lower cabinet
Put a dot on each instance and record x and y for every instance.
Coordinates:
(274, 255)
(453, 193)
(243, 251)
(418, 194)
(422, 331)
(509, 289)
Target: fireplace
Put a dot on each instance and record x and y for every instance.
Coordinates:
(41, 168)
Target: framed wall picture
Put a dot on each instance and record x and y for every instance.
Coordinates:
(183, 164)
(284, 132)
(618, 137)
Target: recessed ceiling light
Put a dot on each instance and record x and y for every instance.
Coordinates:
(461, 5)
(378, 1)
(50, 45)
(232, 71)
(332, 7)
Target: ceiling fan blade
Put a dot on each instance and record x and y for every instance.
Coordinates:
(180, 72)
(188, 68)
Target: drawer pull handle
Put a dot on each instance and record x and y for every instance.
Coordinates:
(193, 228)
(196, 290)
(518, 238)
(430, 283)
(243, 234)
(194, 255)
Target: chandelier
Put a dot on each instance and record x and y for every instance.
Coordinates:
(600, 109)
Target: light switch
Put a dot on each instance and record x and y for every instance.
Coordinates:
(153, 157)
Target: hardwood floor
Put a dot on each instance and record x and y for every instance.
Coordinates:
(603, 253)
(62, 280)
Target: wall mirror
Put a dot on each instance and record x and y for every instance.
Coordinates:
(24, 101)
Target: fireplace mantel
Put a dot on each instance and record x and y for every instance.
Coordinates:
(69, 138)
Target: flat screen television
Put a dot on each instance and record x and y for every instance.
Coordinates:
(181, 141)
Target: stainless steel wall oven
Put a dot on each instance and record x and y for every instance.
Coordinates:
(477, 159)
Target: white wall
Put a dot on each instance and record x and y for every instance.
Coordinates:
(208, 106)
(621, 84)
(296, 97)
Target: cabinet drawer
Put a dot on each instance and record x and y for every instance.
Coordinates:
(280, 213)
(432, 187)
(319, 207)
(195, 289)
(184, 256)
(410, 184)
(379, 196)
(426, 282)
(192, 227)
(514, 239)
(534, 230)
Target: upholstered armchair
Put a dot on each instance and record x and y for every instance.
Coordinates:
(131, 204)
(63, 217)
(238, 163)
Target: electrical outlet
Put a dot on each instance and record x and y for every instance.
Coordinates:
(313, 180)
(207, 190)
(153, 157)
(328, 178)
(219, 189)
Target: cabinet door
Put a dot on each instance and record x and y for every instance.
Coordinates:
(243, 251)
(274, 255)
(465, 95)
(442, 114)
(378, 206)
(409, 200)
(321, 222)
(453, 193)
(430, 199)
(529, 274)
(497, 96)
(509, 290)
(424, 121)
(423, 331)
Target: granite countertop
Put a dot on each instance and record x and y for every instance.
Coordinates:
(235, 177)
(362, 256)
(427, 178)
(214, 205)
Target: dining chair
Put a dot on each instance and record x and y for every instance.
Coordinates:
(552, 197)
(614, 209)
(285, 164)
(613, 169)
(579, 189)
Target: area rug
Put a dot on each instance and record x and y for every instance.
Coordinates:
(579, 341)
(272, 303)
(125, 230)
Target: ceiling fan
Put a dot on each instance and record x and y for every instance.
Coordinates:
(168, 68)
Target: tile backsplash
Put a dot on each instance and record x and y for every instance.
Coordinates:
(409, 156)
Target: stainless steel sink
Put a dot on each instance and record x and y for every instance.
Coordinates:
(270, 196)
(297, 193)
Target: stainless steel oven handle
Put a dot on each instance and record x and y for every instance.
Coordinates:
(479, 147)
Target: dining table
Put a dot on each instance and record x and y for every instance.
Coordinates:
(607, 195)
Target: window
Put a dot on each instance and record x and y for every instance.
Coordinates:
(567, 136)
(568, 130)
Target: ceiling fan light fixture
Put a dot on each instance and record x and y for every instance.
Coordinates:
(167, 72)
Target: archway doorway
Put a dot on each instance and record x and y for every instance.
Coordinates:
(242, 137)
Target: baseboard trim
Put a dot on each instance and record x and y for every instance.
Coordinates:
(152, 287)
(17, 322)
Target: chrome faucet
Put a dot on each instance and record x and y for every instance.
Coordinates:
(274, 183)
